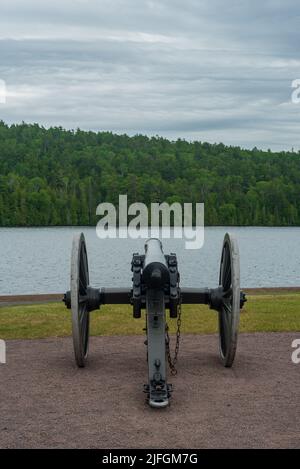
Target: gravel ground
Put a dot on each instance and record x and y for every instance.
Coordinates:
(46, 402)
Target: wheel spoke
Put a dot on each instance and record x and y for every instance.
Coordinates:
(227, 273)
(224, 332)
(227, 280)
(227, 307)
(82, 277)
(226, 328)
(223, 260)
(83, 265)
(82, 299)
(82, 284)
(83, 325)
(82, 314)
(85, 332)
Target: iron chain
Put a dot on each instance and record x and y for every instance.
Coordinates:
(173, 362)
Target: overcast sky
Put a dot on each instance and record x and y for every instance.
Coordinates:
(210, 70)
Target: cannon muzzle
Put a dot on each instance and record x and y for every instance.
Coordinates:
(155, 269)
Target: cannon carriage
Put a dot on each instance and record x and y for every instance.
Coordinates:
(156, 288)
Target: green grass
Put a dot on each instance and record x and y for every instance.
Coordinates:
(262, 313)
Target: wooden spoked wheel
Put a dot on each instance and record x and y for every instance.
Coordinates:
(229, 312)
(79, 303)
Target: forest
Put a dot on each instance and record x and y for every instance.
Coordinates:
(58, 177)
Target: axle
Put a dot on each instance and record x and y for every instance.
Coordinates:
(110, 296)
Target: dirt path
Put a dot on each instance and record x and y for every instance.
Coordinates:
(47, 402)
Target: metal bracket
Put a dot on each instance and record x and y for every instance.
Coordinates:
(136, 299)
(174, 285)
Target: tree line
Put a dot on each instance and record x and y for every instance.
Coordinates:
(58, 177)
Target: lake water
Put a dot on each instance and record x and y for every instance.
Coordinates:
(37, 260)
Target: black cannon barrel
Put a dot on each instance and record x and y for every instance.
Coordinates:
(155, 269)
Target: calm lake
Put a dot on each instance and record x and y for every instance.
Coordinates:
(37, 260)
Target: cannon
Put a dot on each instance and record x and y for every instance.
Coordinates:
(155, 288)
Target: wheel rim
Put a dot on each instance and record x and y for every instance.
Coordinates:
(80, 313)
(229, 312)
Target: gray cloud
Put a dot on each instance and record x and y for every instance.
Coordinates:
(206, 70)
